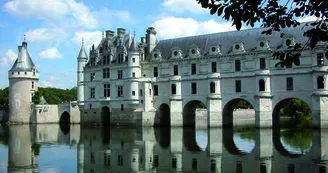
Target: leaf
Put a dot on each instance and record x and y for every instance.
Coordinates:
(213, 10)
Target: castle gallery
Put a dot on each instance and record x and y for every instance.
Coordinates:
(183, 81)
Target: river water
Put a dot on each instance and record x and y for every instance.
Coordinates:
(54, 148)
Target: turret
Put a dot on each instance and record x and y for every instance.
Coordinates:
(134, 68)
(23, 83)
(82, 60)
(150, 39)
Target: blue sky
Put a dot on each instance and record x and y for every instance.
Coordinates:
(54, 29)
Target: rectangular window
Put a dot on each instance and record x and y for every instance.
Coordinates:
(92, 92)
(133, 74)
(133, 60)
(193, 88)
(92, 158)
(237, 65)
(289, 84)
(119, 74)
(193, 68)
(213, 64)
(320, 60)
(120, 160)
(106, 90)
(106, 159)
(140, 92)
(262, 63)
(239, 167)
(106, 73)
(120, 57)
(238, 86)
(155, 71)
(32, 84)
(120, 91)
(156, 161)
(92, 76)
(174, 163)
(155, 90)
(175, 70)
(213, 166)
(122, 107)
(194, 164)
(150, 92)
(133, 93)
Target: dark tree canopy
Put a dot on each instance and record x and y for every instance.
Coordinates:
(275, 15)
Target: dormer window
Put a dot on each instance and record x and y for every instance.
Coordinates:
(157, 55)
(176, 52)
(289, 41)
(194, 51)
(239, 47)
(263, 44)
(214, 50)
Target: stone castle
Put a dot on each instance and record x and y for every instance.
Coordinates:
(186, 81)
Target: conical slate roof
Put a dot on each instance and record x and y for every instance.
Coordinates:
(24, 61)
(83, 53)
(134, 46)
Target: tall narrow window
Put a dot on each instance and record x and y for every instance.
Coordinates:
(155, 71)
(120, 160)
(262, 63)
(133, 93)
(32, 85)
(261, 85)
(106, 90)
(237, 65)
(193, 69)
(239, 167)
(92, 92)
(133, 75)
(193, 88)
(119, 74)
(106, 159)
(150, 92)
(133, 60)
(213, 65)
(291, 168)
(92, 76)
(122, 107)
(33, 72)
(289, 84)
(92, 158)
(141, 93)
(213, 166)
(156, 161)
(120, 91)
(194, 164)
(120, 57)
(212, 87)
(174, 163)
(238, 86)
(175, 70)
(320, 60)
(106, 73)
(155, 90)
(320, 82)
(173, 89)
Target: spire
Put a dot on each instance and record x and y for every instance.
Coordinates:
(133, 47)
(24, 43)
(24, 61)
(82, 54)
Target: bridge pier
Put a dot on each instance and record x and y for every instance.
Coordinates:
(320, 145)
(214, 149)
(263, 112)
(264, 149)
(176, 113)
(214, 112)
(176, 146)
(320, 111)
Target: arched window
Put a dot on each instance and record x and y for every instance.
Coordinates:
(173, 89)
(320, 82)
(212, 87)
(261, 85)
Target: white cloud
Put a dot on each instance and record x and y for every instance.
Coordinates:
(44, 34)
(51, 53)
(184, 5)
(123, 15)
(89, 38)
(9, 57)
(54, 78)
(46, 84)
(41, 9)
(54, 11)
(172, 27)
(307, 19)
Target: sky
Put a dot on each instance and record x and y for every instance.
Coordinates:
(54, 29)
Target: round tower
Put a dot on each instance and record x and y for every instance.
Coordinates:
(82, 60)
(23, 83)
(134, 69)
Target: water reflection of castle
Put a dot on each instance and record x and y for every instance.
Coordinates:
(169, 150)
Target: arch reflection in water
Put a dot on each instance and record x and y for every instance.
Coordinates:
(139, 150)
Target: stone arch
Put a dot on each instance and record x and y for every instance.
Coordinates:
(163, 115)
(105, 115)
(189, 112)
(277, 107)
(229, 108)
(64, 122)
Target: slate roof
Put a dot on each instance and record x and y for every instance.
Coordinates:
(24, 61)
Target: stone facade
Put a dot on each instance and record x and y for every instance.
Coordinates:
(149, 82)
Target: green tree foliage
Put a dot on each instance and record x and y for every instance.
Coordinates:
(57, 96)
(299, 111)
(275, 15)
(298, 139)
(4, 96)
(243, 104)
(36, 98)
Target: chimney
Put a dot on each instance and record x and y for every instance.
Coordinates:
(120, 32)
(110, 34)
(143, 39)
